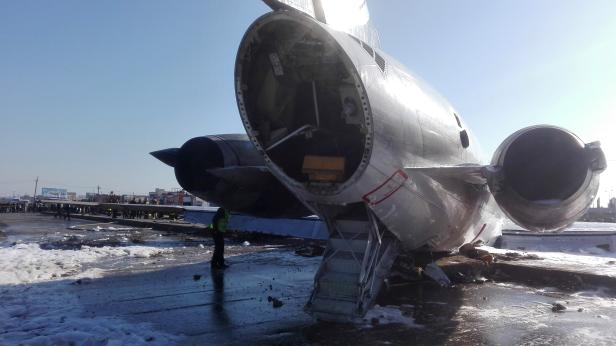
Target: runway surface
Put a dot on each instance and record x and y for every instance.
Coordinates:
(116, 285)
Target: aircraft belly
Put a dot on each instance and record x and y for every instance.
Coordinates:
(407, 207)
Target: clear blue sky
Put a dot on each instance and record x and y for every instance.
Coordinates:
(88, 89)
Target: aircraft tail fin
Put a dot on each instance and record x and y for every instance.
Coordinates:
(350, 16)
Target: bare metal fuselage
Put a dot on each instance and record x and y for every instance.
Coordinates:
(403, 123)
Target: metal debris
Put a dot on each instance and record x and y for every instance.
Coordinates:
(434, 272)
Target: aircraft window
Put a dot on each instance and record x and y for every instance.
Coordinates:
(457, 120)
(367, 48)
(381, 62)
(464, 139)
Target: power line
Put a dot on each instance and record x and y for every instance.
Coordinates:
(8, 182)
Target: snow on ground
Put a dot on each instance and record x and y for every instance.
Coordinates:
(38, 308)
(389, 315)
(592, 226)
(591, 260)
(28, 263)
(575, 227)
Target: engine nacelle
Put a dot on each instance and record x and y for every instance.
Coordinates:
(227, 170)
(545, 177)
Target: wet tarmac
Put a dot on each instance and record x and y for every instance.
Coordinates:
(177, 294)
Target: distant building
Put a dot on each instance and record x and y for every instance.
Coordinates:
(612, 204)
(53, 193)
(140, 199)
(71, 196)
(191, 200)
(600, 215)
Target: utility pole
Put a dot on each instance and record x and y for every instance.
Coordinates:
(98, 189)
(34, 196)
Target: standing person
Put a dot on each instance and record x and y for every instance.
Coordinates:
(219, 227)
(67, 212)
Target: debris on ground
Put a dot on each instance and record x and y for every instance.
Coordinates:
(469, 250)
(605, 247)
(516, 256)
(405, 269)
(136, 238)
(434, 272)
(196, 277)
(276, 303)
(558, 307)
(83, 281)
(310, 250)
(462, 269)
(611, 262)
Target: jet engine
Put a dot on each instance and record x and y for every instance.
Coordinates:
(545, 177)
(227, 170)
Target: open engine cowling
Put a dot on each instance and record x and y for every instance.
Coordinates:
(545, 177)
(227, 170)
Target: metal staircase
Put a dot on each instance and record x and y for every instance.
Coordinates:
(357, 259)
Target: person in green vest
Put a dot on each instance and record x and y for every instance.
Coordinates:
(219, 227)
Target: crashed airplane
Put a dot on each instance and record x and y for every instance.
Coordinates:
(337, 128)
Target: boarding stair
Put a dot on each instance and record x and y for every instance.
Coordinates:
(358, 257)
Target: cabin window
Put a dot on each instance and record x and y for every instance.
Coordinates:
(464, 139)
(379, 61)
(367, 48)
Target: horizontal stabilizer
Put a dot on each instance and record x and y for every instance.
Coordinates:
(167, 156)
(242, 175)
(473, 174)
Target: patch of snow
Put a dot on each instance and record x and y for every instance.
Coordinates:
(592, 226)
(600, 292)
(589, 336)
(28, 263)
(389, 315)
(590, 260)
(39, 308)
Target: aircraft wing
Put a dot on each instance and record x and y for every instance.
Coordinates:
(350, 16)
(472, 174)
